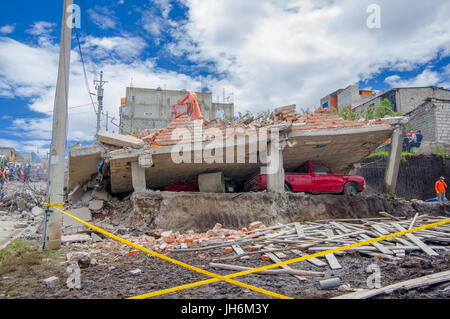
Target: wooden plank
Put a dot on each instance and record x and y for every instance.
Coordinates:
(408, 284)
(279, 254)
(276, 260)
(332, 261)
(238, 250)
(417, 241)
(399, 252)
(413, 221)
(383, 231)
(380, 229)
(341, 227)
(378, 245)
(314, 261)
(389, 215)
(270, 271)
(298, 228)
(368, 248)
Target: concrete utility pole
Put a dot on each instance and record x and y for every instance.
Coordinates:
(99, 88)
(55, 187)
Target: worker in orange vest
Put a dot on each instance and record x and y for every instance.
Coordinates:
(3, 174)
(441, 187)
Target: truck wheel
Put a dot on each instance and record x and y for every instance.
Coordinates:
(350, 189)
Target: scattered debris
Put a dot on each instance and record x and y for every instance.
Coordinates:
(136, 272)
(51, 282)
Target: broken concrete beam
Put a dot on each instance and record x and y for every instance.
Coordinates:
(138, 177)
(83, 213)
(101, 195)
(51, 282)
(96, 204)
(120, 140)
(76, 194)
(75, 238)
(211, 183)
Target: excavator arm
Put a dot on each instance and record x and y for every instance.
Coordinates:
(189, 105)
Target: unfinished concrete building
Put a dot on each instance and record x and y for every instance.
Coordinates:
(352, 95)
(406, 99)
(144, 108)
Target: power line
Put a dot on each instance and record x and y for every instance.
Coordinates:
(86, 82)
(23, 115)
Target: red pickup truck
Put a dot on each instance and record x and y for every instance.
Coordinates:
(312, 177)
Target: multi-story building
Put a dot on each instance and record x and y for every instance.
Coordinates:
(8, 154)
(352, 95)
(29, 158)
(150, 108)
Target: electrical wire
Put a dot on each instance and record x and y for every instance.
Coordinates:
(84, 71)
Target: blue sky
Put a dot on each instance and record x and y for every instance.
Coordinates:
(265, 53)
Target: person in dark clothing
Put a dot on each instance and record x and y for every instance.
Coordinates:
(26, 171)
(416, 140)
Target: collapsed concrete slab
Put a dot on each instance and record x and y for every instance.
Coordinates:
(83, 162)
(119, 140)
(237, 153)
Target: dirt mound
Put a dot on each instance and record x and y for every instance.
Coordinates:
(201, 211)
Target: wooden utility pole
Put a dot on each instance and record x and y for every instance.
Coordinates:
(55, 187)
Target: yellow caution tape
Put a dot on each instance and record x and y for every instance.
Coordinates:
(174, 261)
(319, 254)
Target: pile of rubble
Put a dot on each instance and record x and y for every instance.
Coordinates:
(320, 119)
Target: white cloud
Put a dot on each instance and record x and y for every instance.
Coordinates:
(103, 17)
(7, 29)
(426, 78)
(278, 52)
(28, 71)
(41, 28)
(122, 47)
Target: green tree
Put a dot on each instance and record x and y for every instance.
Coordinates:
(381, 110)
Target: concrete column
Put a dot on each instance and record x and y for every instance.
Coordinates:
(275, 170)
(393, 163)
(211, 183)
(55, 187)
(138, 177)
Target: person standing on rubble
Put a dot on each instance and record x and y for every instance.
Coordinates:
(27, 171)
(441, 188)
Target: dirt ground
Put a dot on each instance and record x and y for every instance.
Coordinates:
(24, 269)
(111, 277)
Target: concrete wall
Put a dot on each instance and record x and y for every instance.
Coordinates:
(416, 178)
(151, 108)
(201, 211)
(432, 118)
(226, 108)
(442, 115)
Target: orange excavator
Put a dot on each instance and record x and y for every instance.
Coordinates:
(189, 105)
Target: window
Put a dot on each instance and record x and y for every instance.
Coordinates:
(320, 169)
(304, 169)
